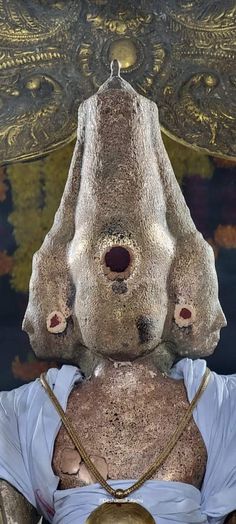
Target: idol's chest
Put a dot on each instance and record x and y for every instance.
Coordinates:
(124, 422)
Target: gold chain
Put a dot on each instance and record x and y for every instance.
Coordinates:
(120, 493)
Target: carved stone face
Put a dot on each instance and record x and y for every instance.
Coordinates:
(123, 269)
(196, 316)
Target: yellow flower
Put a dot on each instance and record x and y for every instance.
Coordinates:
(6, 263)
(3, 185)
(37, 188)
(30, 369)
(225, 236)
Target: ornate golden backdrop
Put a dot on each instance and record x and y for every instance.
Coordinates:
(55, 53)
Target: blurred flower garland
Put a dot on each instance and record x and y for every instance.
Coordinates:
(31, 368)
(6, 261)
(225, 236)
(3, 185)
(36, 192)
(186, 161)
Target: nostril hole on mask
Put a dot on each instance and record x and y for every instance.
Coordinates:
(117, 259)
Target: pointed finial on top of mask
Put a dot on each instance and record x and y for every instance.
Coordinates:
(115, 81)
(115, 68)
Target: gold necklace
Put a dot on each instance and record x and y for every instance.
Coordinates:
(121, 511)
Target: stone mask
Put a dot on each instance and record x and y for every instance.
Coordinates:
(123, 272)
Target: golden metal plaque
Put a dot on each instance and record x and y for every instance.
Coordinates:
(53, 54)
(120, 513)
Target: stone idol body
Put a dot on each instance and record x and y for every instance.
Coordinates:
(132, 428)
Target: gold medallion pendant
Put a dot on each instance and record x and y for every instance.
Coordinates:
(120, 513)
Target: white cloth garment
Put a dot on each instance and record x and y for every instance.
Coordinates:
(29, 424)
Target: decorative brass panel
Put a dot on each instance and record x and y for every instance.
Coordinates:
(53, 54)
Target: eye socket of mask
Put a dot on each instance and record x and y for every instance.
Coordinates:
(56, 322)
(184, 315)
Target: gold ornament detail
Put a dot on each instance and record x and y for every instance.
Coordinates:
(31, 58)
(55, 54)
(120, 513)
(121, 24)
(125, 51)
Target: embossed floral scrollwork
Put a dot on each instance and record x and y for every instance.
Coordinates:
(180, 53)
(205, 114)
(37, 97)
